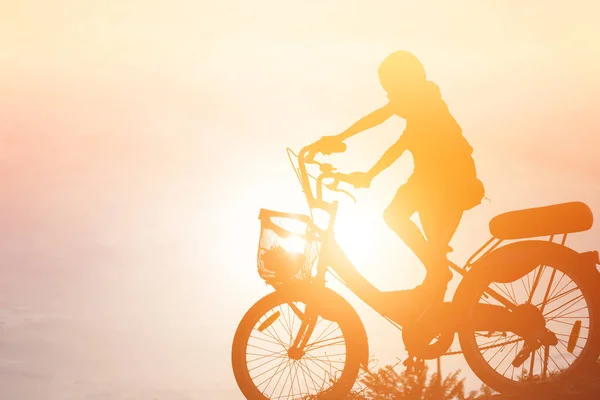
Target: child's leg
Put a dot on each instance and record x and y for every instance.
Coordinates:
(439, 222)
(397, 217)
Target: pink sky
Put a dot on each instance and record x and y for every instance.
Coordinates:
(140, 138)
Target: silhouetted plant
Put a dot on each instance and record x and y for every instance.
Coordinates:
(389, 384)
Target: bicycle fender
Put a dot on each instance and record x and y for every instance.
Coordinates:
(509, 263)
(332, 303)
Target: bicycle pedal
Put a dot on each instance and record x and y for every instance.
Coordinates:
(524, 354)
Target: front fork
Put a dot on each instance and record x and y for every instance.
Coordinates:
(309, 322)
(310, 316)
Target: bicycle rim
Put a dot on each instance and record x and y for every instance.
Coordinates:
(266, 368)
(565, 301)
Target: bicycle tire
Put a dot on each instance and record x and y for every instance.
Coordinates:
(339, 389)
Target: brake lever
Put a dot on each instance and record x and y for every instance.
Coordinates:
(334, 188)
(347, 194)
(333, 185)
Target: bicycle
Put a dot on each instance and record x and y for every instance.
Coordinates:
(525, 311)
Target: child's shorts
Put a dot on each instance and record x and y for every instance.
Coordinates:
(416, 195)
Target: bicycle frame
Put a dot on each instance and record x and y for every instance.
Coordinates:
(332, 257)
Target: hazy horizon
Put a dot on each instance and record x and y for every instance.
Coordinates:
(140, 139)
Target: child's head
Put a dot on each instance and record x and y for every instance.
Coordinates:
(400, 72)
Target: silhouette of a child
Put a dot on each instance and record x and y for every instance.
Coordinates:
(444, 182)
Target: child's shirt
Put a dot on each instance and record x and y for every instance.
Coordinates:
(441, 154)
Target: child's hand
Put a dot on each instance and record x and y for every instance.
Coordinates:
(360, 180)
(330, 144)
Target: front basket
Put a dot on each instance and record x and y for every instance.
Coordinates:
(287, 249)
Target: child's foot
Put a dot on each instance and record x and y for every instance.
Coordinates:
(412, 303)
(431, 292)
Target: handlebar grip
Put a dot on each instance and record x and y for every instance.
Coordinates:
(336, 147)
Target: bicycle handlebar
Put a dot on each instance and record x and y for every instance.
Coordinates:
(306, 156)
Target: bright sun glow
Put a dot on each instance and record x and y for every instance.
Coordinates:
(293, 244)
(356, 233)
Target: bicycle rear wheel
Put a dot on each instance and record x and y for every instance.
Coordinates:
(266, 368)
(556, 299)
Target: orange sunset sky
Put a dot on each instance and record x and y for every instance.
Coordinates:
(139, 139)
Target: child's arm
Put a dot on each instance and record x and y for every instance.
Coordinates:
(363, 179)
(371, 120)
(388, 158)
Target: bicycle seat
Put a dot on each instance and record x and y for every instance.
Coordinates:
(555, 219)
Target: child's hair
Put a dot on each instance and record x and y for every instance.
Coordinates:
(402, 66)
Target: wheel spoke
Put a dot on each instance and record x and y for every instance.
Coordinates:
(265, 340)
(494, 344)
(555, 290)
(324, 330)
(561, 354)
(536, 281)
(320, 363)
(281, 376)
(324, 343)
(558, 296)
(301, 366)
(286, 326)
(532, 364)
(564, 342)
(268, 333)
(274, 358)
(262, 356)
(506, 356)
(555, 364)
(564, 334)
(576, 299)
(515, 346)
(285, 360)
(309, 374)
(512, 288)
(505, 293)
(328, 357)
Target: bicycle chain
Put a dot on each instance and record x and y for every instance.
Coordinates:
(492, 346)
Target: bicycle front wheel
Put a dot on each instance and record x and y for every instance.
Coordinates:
(265, 365)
